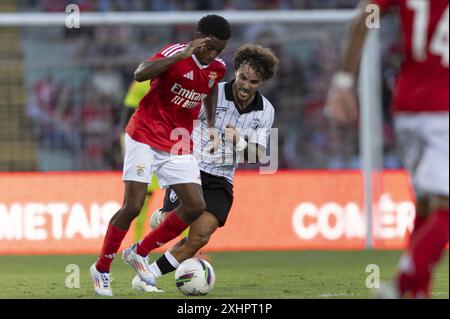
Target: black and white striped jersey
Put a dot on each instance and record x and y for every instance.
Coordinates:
(253, 123)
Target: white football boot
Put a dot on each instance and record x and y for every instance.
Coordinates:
(140, 285)
(387, 290)
(102, 282)
(139, 264)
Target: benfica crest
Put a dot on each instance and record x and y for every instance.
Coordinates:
(212, 79)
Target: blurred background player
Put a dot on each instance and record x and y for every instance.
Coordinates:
(183, 75)
(420, 105)
(241, 111)
(135, 94)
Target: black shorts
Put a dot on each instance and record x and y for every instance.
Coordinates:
(218, 194)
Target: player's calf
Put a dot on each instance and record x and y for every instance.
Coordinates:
(195, 241)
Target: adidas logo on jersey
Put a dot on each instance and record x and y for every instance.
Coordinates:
(189, 75)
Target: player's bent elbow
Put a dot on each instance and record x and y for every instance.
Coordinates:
(138, 76)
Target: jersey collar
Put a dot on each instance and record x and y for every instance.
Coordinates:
(201, 66)
(256, 105)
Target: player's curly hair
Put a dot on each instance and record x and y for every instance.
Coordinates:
(215, 26)
(260, 58)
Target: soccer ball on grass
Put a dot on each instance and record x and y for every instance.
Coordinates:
(195, 277)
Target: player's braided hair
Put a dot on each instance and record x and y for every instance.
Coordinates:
(260, 58)
(215, 26)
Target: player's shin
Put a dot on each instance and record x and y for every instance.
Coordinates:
(170, 228)
(111, 244)
(418, 223)
(164, 265)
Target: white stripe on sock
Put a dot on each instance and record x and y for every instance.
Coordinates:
(155, 270)
(171, 259)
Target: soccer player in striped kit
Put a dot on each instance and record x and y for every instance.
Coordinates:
(158, 141)
(244, 119)
(420, 106)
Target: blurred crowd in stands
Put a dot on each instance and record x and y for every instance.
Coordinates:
(185, 5)
(76, 92)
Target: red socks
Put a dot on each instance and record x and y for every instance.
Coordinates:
(424, 252)
(418, 223)
(170, 228)
(111, 244)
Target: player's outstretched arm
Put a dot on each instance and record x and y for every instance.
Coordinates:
(211, 106)
(341, 101)
(210, 103)
(151, 69)
(355, 39)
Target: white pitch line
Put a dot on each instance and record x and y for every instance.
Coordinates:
(339, 294)
(343, 294)
(440, 293)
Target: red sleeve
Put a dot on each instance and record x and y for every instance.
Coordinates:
(385, 4)
(167, 51)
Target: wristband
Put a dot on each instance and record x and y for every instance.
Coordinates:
(343, 80)
(241, 144)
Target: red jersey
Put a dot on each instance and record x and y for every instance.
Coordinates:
(422, 84)
(174, 101)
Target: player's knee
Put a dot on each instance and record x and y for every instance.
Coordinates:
(133, 208)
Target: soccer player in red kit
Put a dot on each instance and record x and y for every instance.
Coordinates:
(421, 116)
(158, 141)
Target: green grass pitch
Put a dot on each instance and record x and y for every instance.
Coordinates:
(255, 275)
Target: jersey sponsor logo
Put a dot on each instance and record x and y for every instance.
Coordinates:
(221, 109)
(186, 98)
(221, 112)
(189, 75)
(212, 79)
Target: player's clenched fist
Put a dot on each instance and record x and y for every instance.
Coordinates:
(341, 106)
(231, 134)
(341, 102)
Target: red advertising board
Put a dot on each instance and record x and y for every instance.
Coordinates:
(68, 213)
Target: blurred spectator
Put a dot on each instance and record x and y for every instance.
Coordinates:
(39, 108)
(55, 5)
(108, 82)
(97, 130)
(228, 5)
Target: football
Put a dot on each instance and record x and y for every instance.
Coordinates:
(195, 277)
